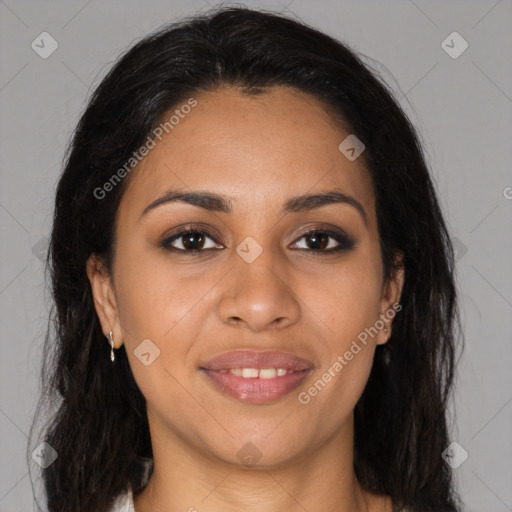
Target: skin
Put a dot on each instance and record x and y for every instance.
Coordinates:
(259, 151)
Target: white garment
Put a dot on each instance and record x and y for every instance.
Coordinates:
(124, 503)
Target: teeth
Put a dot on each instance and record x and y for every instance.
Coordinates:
(263, 373)
(249, 373)
(268, 373)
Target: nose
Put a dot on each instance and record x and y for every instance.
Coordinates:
(259, 295)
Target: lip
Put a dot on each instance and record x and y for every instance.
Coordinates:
(257, 359)
(256, 390)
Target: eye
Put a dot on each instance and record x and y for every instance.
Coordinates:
(196, 240)
(325, 241)
(190, 240)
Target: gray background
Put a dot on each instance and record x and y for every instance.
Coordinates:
(462, 108)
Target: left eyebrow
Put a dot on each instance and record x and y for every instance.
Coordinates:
(311, 201)
(217, 203)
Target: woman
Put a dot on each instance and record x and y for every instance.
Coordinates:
(253, 280)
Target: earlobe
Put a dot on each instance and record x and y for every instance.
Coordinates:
(104, 298)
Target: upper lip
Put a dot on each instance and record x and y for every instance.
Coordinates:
(257, 359)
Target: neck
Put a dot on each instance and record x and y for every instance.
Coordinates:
(187, 478)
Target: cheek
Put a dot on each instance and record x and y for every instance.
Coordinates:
(350, 307)
(165, 303)
(348, 301)
(152, 293)
(349, 298)
(158, 317)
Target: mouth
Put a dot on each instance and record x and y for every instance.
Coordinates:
(256, 377)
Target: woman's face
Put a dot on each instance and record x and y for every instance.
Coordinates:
(256, 281)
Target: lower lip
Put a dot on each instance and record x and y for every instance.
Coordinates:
(256, 391)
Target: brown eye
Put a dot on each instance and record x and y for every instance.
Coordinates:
(319, 241)
(190, 240)
(325, 241)
(193, 241)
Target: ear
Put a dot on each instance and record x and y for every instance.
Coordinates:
(104, 298)
(389, 304)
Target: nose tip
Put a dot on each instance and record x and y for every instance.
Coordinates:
(256, 296)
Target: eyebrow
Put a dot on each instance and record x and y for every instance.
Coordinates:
(217, 203)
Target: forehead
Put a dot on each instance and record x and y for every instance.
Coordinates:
(257, 149)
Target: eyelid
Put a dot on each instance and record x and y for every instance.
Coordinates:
(191, 227)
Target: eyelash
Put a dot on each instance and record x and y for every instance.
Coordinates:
(344, 242)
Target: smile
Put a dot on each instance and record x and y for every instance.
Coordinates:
(256, 376)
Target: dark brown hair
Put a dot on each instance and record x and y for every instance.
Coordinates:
(100, 428)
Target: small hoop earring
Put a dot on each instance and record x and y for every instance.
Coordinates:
(111, 341)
